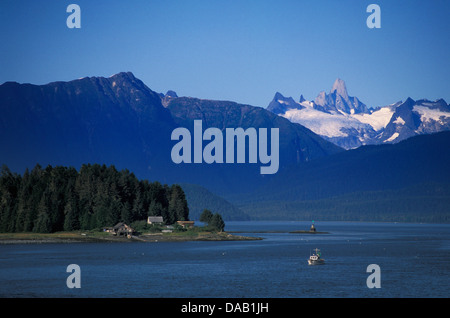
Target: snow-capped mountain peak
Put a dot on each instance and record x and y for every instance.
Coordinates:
(338, 100)
(347, 122)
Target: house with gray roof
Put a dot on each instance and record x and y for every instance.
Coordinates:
(155, 220)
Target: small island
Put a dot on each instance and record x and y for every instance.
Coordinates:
(98, 237)
(153, 230)
(312, 230)
(98, 204)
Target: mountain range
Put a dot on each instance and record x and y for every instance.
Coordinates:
(120, 121)
(349, 123)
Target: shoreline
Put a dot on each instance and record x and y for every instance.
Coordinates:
(100, 237)
(291, 232)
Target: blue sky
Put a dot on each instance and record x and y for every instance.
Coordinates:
(240, 50)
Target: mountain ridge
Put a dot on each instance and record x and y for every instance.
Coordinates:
(90, 119)
(119, 120)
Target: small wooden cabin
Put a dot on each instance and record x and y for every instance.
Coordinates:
(122, 229)
(155, 220)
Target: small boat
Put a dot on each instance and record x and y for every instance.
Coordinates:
(315, 258)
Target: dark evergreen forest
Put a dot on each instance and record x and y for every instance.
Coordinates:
(59, 198)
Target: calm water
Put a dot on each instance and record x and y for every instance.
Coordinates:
(414, 261)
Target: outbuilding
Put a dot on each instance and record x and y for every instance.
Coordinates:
(155, 220)
(122, 229)
(186, 224)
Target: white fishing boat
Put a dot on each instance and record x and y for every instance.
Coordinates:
(316, 258)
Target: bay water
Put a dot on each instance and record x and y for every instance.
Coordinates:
(414, 261)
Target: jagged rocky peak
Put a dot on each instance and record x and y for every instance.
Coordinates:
(123, 79)
(123, 75)
(171, 93)
(340, 88)
(165, 99)
(409, 102)
(278, 95)
(281, 104)
(321, 99)
(280, 98)
(127, 79)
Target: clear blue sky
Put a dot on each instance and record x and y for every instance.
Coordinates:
(240, 50)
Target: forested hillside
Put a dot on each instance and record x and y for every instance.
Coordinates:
(60, 198)
(408, 181)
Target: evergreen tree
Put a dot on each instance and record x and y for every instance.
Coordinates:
(43, 223)
(155, 209)
(126, 213)
(9, 190)
(213, 221)
(22, 203)
(217, 222)
(71, 216)
(206, 216)
(138, 211)
(178, 208)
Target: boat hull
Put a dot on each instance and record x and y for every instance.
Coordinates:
(316, 262)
